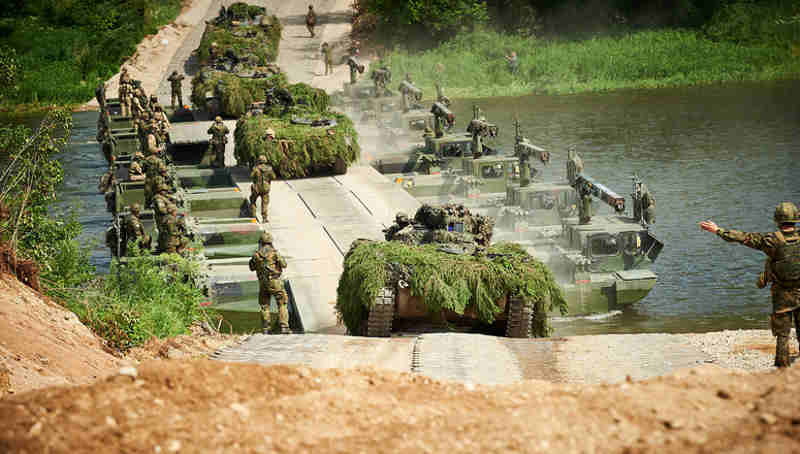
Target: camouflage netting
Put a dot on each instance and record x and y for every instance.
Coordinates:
(298, 150)
(446, 281)
(245, 33)
(234, 93)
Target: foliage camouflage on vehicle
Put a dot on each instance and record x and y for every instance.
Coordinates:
(297, 150)
(447, 281)
(234, 93)
(252, 44)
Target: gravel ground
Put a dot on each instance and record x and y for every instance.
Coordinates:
(740, 349)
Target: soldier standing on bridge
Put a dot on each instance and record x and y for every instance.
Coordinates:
(783, 249)
(175, 81)
(262, 175)
(268, 265)
(311, 20)
(219, 137)
(327, 55)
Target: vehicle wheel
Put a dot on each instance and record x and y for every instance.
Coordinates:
(379, 321)
(520, 315)
(340, 166)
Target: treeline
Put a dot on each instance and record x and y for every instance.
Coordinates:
(423, 22)
(61, 49)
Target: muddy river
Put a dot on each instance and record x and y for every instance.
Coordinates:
(727, 153)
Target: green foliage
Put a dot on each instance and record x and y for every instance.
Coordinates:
(298, 150)
(145, 296)
(65, 48)
(445, 281)
(28, 186)
(434, 17)
(235, 94)
(254, 43)
(9, 71)
(242, 11)
(755, 23)
(473, 64)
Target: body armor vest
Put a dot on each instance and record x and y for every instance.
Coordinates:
(786, 261)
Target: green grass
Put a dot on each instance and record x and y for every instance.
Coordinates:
(145, 297)
(474, 64)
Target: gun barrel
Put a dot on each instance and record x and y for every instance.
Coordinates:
(600, 191)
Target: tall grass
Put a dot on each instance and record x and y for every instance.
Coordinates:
(473, 65)
(147, 296)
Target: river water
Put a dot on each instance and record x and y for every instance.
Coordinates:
(727, 153)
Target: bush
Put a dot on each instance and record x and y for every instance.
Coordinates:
(234, 93)
(755, 24)
(143, 297)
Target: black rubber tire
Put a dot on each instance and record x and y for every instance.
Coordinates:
(520, 318)
(379, 321)
(340, 166)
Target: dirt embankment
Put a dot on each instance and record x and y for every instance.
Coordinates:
(42, 344)
(205, 406)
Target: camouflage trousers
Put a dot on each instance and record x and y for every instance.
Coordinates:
(176, 94)
(218, 154)
(254, 196)
(310, 29)
(328, 67)
(270, 288)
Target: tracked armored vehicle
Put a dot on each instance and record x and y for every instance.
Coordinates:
(440, 270)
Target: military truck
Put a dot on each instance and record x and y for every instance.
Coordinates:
(438, 269)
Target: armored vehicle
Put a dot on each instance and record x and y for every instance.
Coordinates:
(438, 269)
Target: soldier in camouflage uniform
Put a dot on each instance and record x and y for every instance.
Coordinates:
(327, 55)
(135, 170)
(152, 164)
(219, 137)
(134, 230)
(269, 265)
(261, 175)
(175, 81)
(782, 247)
(162, 204)
(311, 20)
(125, 92)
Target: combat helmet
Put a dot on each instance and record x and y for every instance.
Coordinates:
(401, 218)
(262, 159)
(163, 187)
(218, 119)
(266, 238)
(786, 213)
(136, 209)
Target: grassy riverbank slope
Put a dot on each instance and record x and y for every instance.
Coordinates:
(473, 64)
(64, 49)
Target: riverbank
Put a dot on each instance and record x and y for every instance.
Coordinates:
(473, 65)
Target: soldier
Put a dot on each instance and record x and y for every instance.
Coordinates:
(219, 137)
(513, 62)
(124, 92)
(175, 81)
(783, 249)
(401, 221)
(574, 165)
(327, 55)
(161, 209)
(269, 265)
(135, 170)
(134, 230)
(173, 237)
(440, 96)
(311, 20)
(152, 164)
(100, 94)
(261, 175)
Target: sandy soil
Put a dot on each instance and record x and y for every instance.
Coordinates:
(204, 406)
(42, 344)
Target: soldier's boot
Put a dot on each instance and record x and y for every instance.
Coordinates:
(283, 312)
(265, 321)
(782, 351)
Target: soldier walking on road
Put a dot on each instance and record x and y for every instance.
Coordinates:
(219, 137)
(125, 92)
(268, 265)
(783, 251)
(311, 20)
(262, 175)
(175, 81)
